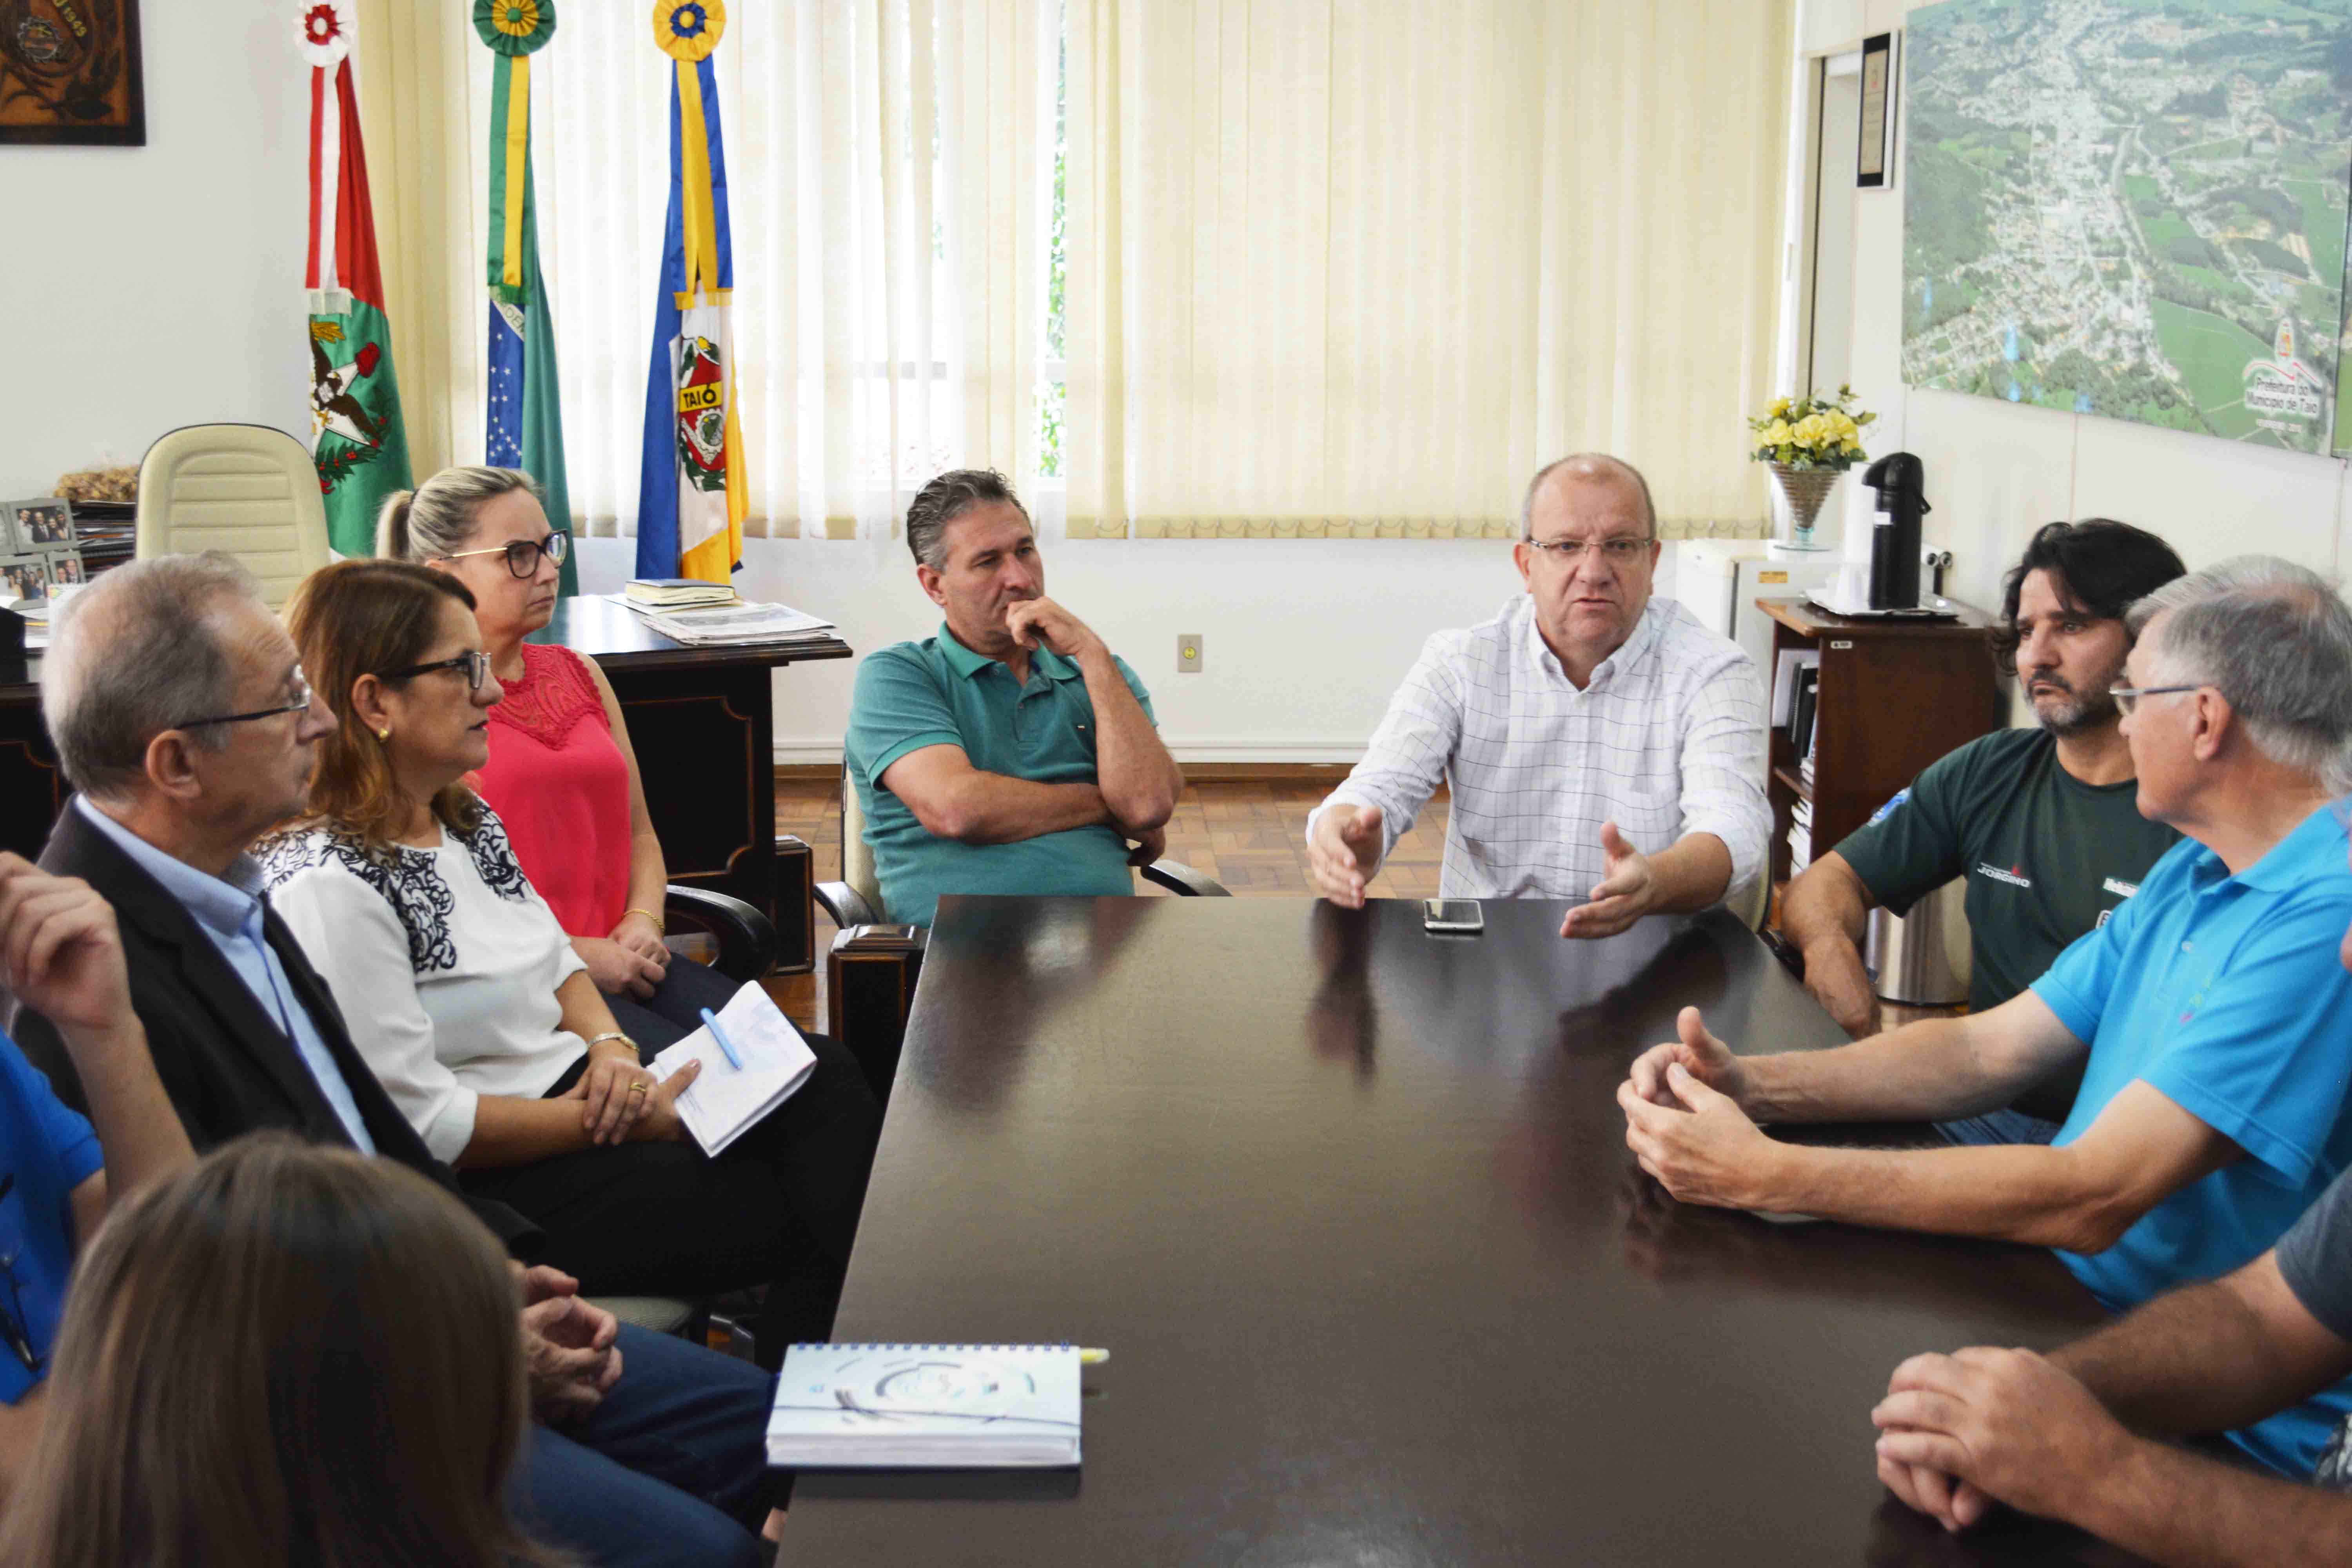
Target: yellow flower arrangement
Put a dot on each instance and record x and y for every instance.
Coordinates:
(1811, 433)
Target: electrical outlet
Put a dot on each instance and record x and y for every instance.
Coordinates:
(1188, 653)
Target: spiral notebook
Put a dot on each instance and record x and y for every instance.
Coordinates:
(910, 1406)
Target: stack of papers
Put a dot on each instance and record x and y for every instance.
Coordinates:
(727, 1099)
(729, 625)
(929, 1406)
(675, 592)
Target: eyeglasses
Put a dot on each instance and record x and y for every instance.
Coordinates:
(14, 1325)
(298, 699)
(1569, 551)
(477, 666)
(2128, 697)
(522, 554)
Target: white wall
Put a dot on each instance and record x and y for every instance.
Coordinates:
(1302, 638)
(146, 288)
(1997, 470)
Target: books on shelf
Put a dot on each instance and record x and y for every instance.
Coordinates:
(1801, 836)
(733, 624)
(925, 1407)
(667, 592)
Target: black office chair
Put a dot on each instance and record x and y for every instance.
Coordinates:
(872, 967)
(743, 939)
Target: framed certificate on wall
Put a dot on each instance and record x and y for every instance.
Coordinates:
(1872, 154)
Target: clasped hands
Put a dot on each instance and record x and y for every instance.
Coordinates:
(614, 1109)
(569, 1352)
(1345, 850)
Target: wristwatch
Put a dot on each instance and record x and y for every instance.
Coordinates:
(616, 1035)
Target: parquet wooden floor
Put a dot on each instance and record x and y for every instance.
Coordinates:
(1247, 833)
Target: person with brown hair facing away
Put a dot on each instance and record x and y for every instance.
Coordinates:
(482, 1022)
(284, 1355)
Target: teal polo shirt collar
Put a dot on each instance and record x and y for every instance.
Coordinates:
(967, 664)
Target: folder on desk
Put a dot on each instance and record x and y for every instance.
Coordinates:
(718, 1105)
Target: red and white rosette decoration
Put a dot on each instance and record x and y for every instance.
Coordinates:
(323, 33)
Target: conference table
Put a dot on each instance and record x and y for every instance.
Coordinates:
(1350, 1207)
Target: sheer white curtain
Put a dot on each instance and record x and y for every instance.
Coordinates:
(1351, 269)
(885, 176)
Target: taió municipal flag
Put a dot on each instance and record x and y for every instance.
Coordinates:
(691, 491)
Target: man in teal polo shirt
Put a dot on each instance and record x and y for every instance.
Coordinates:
(1013, 752)
(2210, 1011)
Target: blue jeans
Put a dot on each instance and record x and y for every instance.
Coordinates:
(670, 1471)
(2004, 1126)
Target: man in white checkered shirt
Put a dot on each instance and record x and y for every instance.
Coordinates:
(1602, 745)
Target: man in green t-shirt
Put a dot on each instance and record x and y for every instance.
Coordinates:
(1013, 752)
(2043, 823)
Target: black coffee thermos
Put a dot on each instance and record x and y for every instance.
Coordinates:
(1894, 541)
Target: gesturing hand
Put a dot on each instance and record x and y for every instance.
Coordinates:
(1344, 851)
(60, 950)
(2005, 1424)
(1711, 1154)
(1624, 895)
(1033, 622)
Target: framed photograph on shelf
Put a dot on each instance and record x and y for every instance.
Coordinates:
(66, 570)
(23, 577)
(71, 73)
(46, 524)
(1874, 156)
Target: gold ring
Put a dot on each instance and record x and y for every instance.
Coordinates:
(637, 1087)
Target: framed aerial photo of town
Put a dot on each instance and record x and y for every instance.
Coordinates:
(2132, 207)
(70, 72)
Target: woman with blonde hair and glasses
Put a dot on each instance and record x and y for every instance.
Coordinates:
(482, 1022)
(283, 1356)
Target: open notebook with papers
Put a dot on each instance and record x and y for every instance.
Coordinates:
(727, 1099)
(915, 1407)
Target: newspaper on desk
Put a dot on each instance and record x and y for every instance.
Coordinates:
(728, 624)
(725, 1099)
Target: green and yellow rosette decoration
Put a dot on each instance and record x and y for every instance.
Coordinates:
(523, 416)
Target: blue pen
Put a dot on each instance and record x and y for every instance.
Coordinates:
(725, 1044)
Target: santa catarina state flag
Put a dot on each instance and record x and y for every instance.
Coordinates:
(692, 494)
(359, 444)
(524, 416)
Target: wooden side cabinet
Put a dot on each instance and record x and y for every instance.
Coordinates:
(1894, 695)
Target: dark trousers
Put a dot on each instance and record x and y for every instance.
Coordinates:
(669, 1472)
(778, 1208)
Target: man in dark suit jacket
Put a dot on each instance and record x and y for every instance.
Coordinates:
(175, 701)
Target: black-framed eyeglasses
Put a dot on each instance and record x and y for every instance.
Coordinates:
(1569, 551)
(522, 554)
(298, 699)
(2128, 697)
(14, 1327)
(477, 666)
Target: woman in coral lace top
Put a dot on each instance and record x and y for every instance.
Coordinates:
(561, 774)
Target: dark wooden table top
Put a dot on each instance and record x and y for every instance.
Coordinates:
(1351, 1206)
(617, 639)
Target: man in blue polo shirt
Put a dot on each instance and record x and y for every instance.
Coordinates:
(1013, 752)
(60, 950)
(2210, 1013)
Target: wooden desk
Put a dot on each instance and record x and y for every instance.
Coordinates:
(1351, 1206)
(702, 721)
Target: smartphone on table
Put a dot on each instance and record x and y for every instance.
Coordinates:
(1451, 917)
